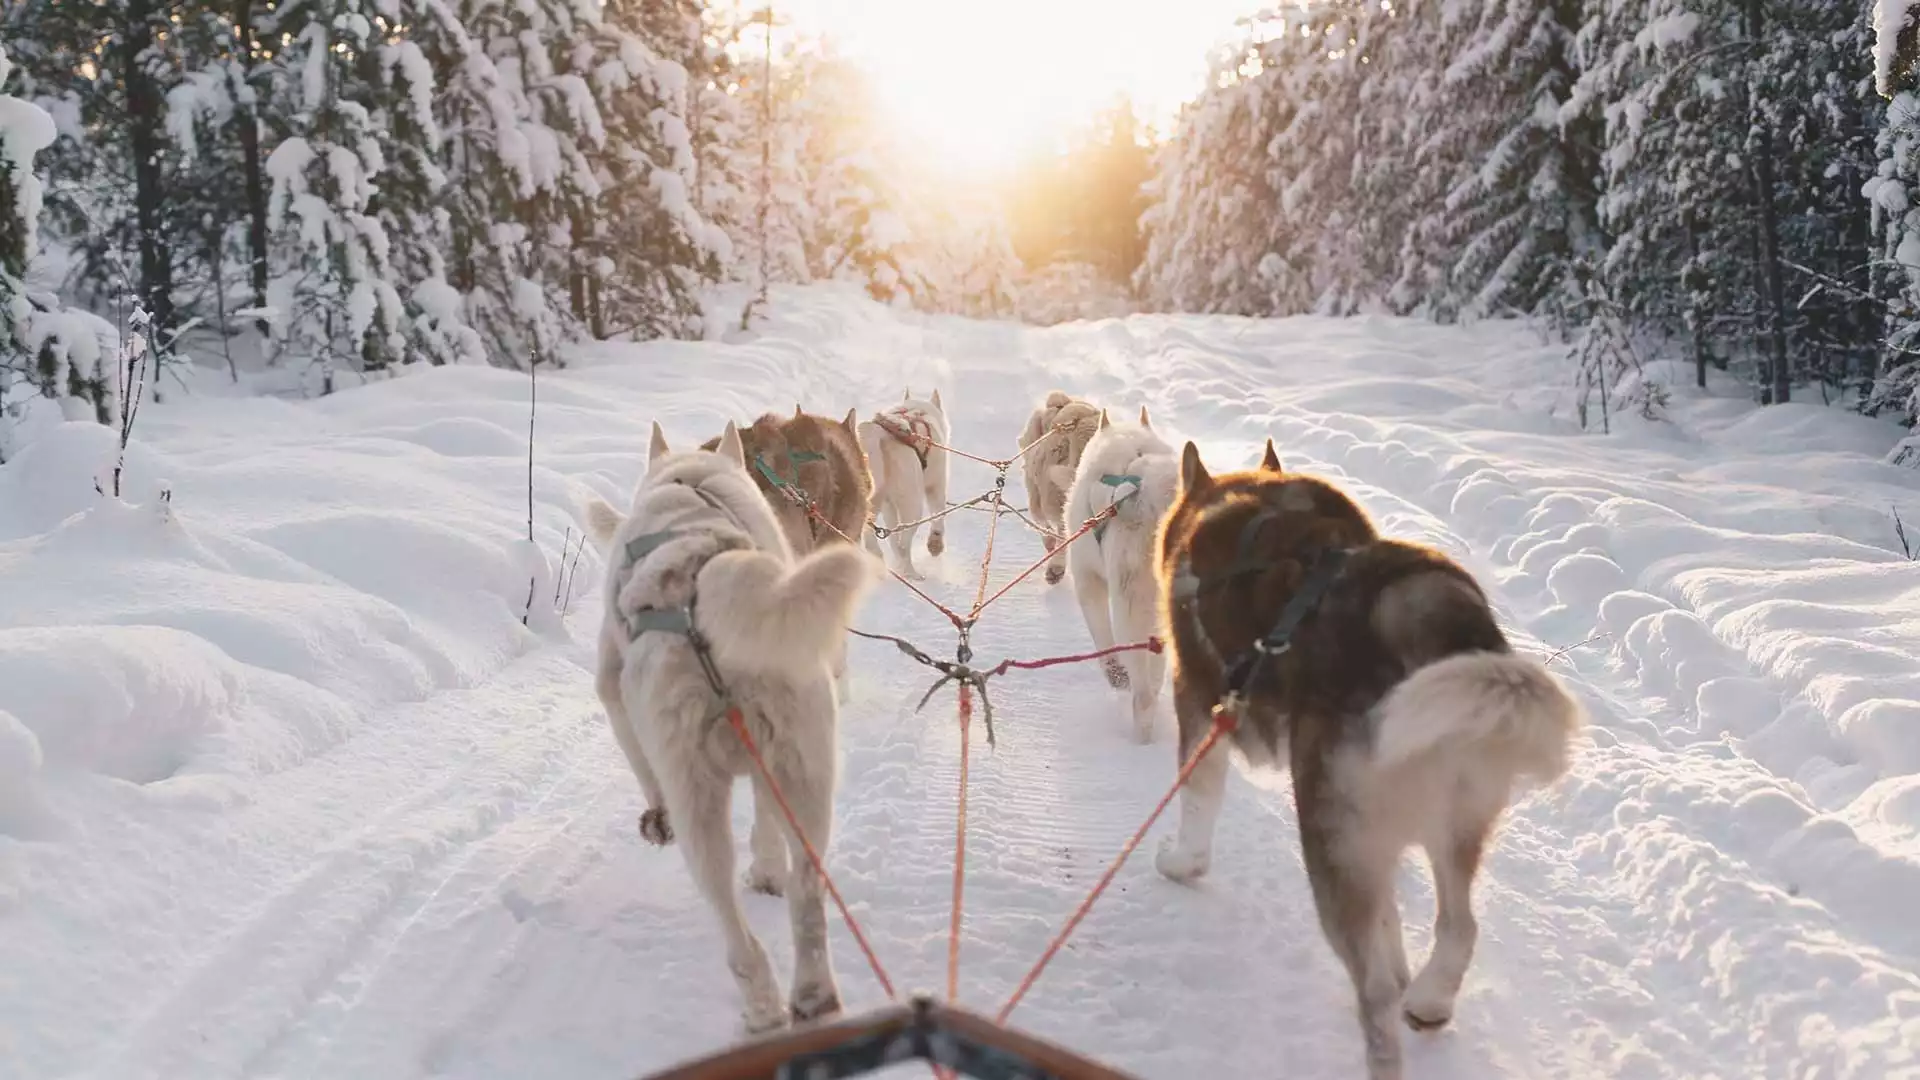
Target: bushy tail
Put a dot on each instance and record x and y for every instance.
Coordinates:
(764, 615)
(602, 521)
(874, 442)
(1500, 705)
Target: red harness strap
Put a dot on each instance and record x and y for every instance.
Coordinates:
(910, 427)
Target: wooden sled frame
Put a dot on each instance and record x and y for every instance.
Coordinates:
(946, 1035)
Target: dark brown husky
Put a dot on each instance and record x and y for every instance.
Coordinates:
(1375, 670)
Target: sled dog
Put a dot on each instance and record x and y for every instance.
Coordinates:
(909, 473)
(819, 456)
(1049, 470)
(822, 458)
(700, 551)
(1389, 689)
(1131, 469)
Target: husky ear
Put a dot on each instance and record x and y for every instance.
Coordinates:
(850, 423)
(730, 447)
(907, 394)
(936, 400)
(657, 449)
(1271, 461)
(1102, 425)
(1143, 417)
(796, 410)
(1193, 472)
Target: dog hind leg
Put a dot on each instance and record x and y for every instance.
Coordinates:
(809, 791)
(655, 826)
(1188, 854)
(935, 481)
(909, 504)
(1090, 589)
(767, 873)
(700, 807)
(1430, 1000)
(1145, 670)
(1350, 890)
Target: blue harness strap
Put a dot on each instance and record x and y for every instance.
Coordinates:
(673, 620)
(1114, 480)
(796, 457)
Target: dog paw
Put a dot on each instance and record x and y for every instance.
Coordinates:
(1116, 673)
(1424, 1008)
(1056, 574)
(763, 1024)
(936, 543)
(815, 1004)
(654, 827)
(765, 880)
(1178, 864)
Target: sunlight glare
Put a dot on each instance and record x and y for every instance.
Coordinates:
(984, 82)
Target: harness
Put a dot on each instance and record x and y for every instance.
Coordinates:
(912, 430)
(674, 620)
(791, 486)
(1115, 481)
(1241, 669)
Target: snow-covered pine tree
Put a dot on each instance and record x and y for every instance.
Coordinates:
(45, 350)
(335, 302)
(1523, 204)
(652, 248)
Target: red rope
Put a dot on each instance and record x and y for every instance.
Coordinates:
(959, 848)
(739, 723)
(1223, 722)
(1152, 645)
(1044, 559)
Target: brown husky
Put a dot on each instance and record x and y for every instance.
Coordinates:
(1049, 470)
(1375, 670)
(822, 458)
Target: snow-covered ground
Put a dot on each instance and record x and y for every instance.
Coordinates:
(286, 789)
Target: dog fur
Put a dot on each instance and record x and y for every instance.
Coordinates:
(1049, 470)
(905, 488)
(773, 625)
(1400, 707)
(1113, 566)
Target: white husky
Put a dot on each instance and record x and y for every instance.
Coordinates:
(700, 550)
(1133, 469)
(909, 473)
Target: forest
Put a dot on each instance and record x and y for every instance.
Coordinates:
(325, 190)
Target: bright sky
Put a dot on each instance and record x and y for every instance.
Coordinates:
(983, 80)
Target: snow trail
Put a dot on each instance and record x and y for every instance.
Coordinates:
(434, 870)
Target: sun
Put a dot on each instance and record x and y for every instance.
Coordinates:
(983, 83)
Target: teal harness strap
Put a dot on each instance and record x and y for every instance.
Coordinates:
(674, 620)
(797, 457)
(1113, 480)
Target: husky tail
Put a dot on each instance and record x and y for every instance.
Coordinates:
(761, 614)
(874, 441)
(1505, 709)
(602, 521)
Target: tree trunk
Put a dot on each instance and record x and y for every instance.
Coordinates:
(1779, 388)
(146, 113)
(248, 124)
